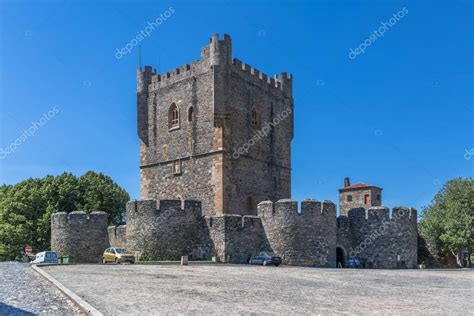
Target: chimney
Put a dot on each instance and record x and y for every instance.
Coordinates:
(347, 182)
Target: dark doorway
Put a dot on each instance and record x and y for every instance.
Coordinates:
(340, 262)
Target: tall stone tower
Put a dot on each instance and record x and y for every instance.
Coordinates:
(217, 130)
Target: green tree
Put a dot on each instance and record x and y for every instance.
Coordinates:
(449, 220)
(101, 193)
(26, 208)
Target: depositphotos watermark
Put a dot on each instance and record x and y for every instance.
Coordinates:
(469, 154)
(30, 132)
(375, 35)
(257, 137)
(144, 33)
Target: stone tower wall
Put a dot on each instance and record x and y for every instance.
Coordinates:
(377, 239)
(259, 160)
(191, 143)
(78, 235)
(302, 238)
(162, 230)
(222, 92)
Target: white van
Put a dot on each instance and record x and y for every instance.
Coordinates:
(46, 257)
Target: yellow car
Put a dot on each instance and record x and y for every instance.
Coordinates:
(117, 255)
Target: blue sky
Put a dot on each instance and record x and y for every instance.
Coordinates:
(399, 116)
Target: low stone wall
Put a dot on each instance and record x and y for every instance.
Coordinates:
(117, 236)
(162, 230)
(236, 238)
(378, 240)
(81, 236)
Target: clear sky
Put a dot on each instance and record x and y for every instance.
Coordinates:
(399, 115)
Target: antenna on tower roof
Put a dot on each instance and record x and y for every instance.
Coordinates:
(140, 56)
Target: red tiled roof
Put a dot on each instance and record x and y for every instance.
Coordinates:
(359, 185)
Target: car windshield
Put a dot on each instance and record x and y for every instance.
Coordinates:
(118, 250)
(269, 254)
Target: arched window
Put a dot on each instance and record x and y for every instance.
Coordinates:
(249, 203)
(255, 117)
(173, 116)
(191, 114)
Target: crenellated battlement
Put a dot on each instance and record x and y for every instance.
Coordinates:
(182, 72)
(282, 81)
(402, 213)
(289, 208)
(382, 214)
(156, 208)
(63, 219)
(378, 214)
(217, 53)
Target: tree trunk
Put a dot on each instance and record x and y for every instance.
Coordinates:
(459, 257)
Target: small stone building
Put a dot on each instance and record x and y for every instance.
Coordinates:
(357, 196)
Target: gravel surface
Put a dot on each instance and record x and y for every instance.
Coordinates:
(24, 292)
(243, 289)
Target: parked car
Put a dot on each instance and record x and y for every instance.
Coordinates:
(353, 263)
(265, 258)
(117, 255)
(46, 257)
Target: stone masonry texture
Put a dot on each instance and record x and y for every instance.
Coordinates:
(215, 180)
(81, 236)
(227, 162)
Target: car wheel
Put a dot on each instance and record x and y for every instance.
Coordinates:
(264, 262)
(132, 262)
(104, 261)
(117, 261)
(277, 264)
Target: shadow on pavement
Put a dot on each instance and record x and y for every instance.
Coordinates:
(10, 310)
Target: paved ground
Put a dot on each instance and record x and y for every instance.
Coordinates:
(24, 292)
(151, 289)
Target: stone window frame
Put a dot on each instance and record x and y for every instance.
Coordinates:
(349, 198)
(173, 117)
(366, 199)
(249, 203)
(255, 117)
(177, 167)
(191, 114)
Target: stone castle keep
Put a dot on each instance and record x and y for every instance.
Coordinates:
(215, 180)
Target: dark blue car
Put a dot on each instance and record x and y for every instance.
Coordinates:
(353, 263)
(265, 258)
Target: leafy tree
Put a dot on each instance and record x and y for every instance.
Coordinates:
(449, 220)
(101, 193)
(26, 208)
